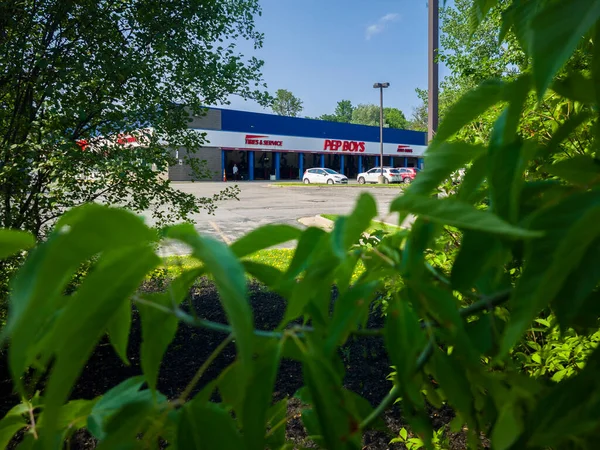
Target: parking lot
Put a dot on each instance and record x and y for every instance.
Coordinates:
(262, 203)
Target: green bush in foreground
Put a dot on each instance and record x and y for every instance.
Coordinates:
(526, 254)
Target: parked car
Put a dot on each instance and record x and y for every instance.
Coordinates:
(390, 175)
(323, 176)
(408, 174)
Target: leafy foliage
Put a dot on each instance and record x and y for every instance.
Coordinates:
(286, 104)
(81, 74)
(366, 115)
(369, 115)
(343, 112)
(492, 302)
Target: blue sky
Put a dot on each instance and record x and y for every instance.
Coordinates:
(328, 50)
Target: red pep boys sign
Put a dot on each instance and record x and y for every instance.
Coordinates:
(345, 146)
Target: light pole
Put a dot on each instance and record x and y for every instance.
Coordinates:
(432, 113)
(381, 86)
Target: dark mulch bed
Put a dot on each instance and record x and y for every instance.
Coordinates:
(367, 367)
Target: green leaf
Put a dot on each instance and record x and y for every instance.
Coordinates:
(111, 401)
(158, 327)
(79, 234)
(442, 306)
(507, 155)
(507, 125)
(596, 69)
(478, 253)
(580, 170)
(572, 300)
(259, 394)
(404, 341)
(229, 278)
(473, 179)
(577, 87)
(468, 108)
(118, 330)
(310, 241)
(349, 311)
(271, 277)
(570, 228)
(231, 389)
(345, 271)
(339, 428)
(508, 427)
(314, 289)
(456, 385)
(310, 421)
(277, 419)
(481, 334)
(558, 376)
(586, 320)
(264, 237)
(441, 161)
(72, 416)
(403, 434)
(557, 30)
(518, 17)
(83, 322)
(505, 180)
(348, 230)
(11, 423)
(413, 257)
(13, 241)
(457, 213)
(360, 408)
(478, 12)
(123, 427)
(206, 426)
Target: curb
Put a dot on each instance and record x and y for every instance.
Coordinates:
(317, 221)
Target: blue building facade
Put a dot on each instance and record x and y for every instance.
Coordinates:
(266, 146)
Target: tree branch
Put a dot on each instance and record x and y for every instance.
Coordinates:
(226, 329)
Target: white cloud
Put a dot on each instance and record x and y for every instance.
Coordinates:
(380, 25)
(389, 17)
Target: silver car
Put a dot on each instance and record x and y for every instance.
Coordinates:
(390, 175)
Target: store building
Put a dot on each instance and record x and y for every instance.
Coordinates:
(265, 146)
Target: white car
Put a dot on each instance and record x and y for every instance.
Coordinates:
(323, 176)
(390, 175)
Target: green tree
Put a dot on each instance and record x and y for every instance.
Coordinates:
(329, 117)
(369, 115)
(74, 71)
(343, 111)
(473, 55)
(419, 118)
(366, 115)
(286, 104)
(395, 118)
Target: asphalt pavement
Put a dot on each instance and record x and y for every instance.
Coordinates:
(263, 203)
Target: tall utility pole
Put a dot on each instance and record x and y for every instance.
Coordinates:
(381, 86)
(432, 111)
